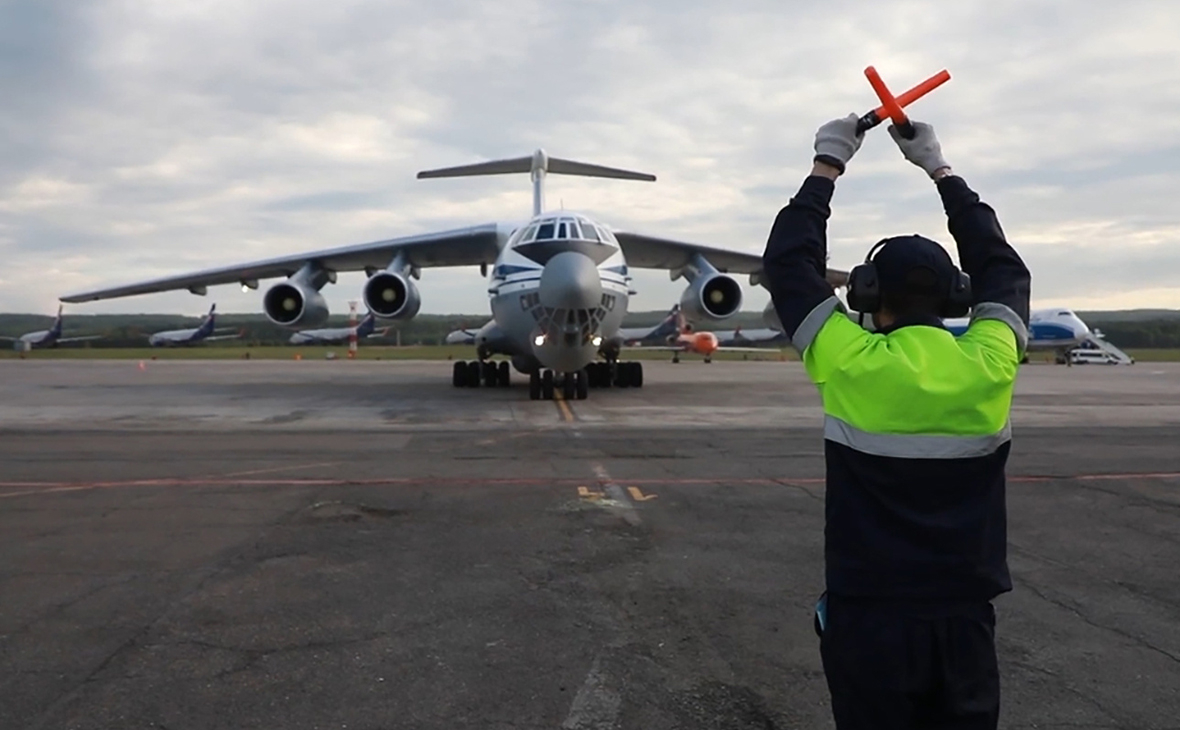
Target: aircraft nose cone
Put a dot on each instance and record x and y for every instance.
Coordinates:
(570, 281)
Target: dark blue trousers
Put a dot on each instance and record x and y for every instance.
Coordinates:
(908, 666)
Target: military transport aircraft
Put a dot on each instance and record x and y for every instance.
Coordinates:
(559, 284)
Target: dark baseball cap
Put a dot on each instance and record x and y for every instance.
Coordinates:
(914, 264)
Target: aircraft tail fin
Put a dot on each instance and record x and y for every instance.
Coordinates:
(537, 165)
(55, 330)
(366, 326)
(210, 322)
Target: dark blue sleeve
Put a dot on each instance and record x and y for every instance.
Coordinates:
(795, 262)
(997, 272)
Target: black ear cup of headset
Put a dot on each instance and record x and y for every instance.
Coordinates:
(958, 302)
(864, 288)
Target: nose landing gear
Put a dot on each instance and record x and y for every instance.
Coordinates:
(574, 386)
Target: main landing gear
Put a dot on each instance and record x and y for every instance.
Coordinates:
(543, 384)
(575, 386)
(473, 374)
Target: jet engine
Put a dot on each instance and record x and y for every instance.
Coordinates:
(292, 303)
(712, 296)
(391, 296)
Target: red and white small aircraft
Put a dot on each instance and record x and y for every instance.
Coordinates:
(686, 340)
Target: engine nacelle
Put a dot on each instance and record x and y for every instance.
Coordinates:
(391, 296)
(294, 304)
(712, 296)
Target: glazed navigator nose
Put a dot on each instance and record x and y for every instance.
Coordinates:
(570, 281)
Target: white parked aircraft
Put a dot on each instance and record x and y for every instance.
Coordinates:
(202, 333)
(559, 283)
(46, 338)
(1055, 329)
(366, 328)
(1048, 329)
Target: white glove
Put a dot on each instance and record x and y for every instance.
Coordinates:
(923, 150)
(837, 141)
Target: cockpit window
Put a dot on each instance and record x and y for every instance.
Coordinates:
(561, 230)
(588, 232)
(545, 232)
(573, 229)
(1064, 313)
(529, 235)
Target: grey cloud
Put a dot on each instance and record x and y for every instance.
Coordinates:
(158, 140)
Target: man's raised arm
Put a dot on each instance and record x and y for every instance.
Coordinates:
(795, 260)
(1000, 282)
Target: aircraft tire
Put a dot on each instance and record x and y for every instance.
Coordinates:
(459, 377)
(504, 378)
(637, 375)
(581, 384)
(547, 385)
(600, 375)
(473, 374)
(490, 374)
(622, 375)
(567, 386)
(534, 385)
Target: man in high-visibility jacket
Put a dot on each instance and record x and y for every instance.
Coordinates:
(916, 443)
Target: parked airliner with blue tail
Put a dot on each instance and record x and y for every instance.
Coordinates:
(660, 334)
(46, 338)
(332, 335)
(559, 284)
(202, 333)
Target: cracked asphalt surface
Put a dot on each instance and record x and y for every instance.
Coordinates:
(625, 567)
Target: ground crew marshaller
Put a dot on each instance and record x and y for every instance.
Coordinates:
(916, 439)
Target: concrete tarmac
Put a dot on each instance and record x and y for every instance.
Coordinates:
(358, 544)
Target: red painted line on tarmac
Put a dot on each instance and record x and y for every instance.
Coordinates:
(30, 487)
(271, 470)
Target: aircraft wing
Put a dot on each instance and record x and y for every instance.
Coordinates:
(768, 348)
(460, 247)
(216, 338)
(648, 252)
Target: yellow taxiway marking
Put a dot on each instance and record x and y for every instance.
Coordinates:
(639, 496)
(585, 493)
(566, 412)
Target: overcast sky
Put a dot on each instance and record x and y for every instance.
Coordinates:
(142, 139)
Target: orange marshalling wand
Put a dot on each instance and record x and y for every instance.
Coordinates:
(891, 106)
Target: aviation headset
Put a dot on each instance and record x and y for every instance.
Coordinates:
(864, 288)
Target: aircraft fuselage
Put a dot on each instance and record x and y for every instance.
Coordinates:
(559, 291)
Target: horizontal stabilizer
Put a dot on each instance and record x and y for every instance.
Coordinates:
(559, 166)
(496, 167)
(538, 165)
(537, 162)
